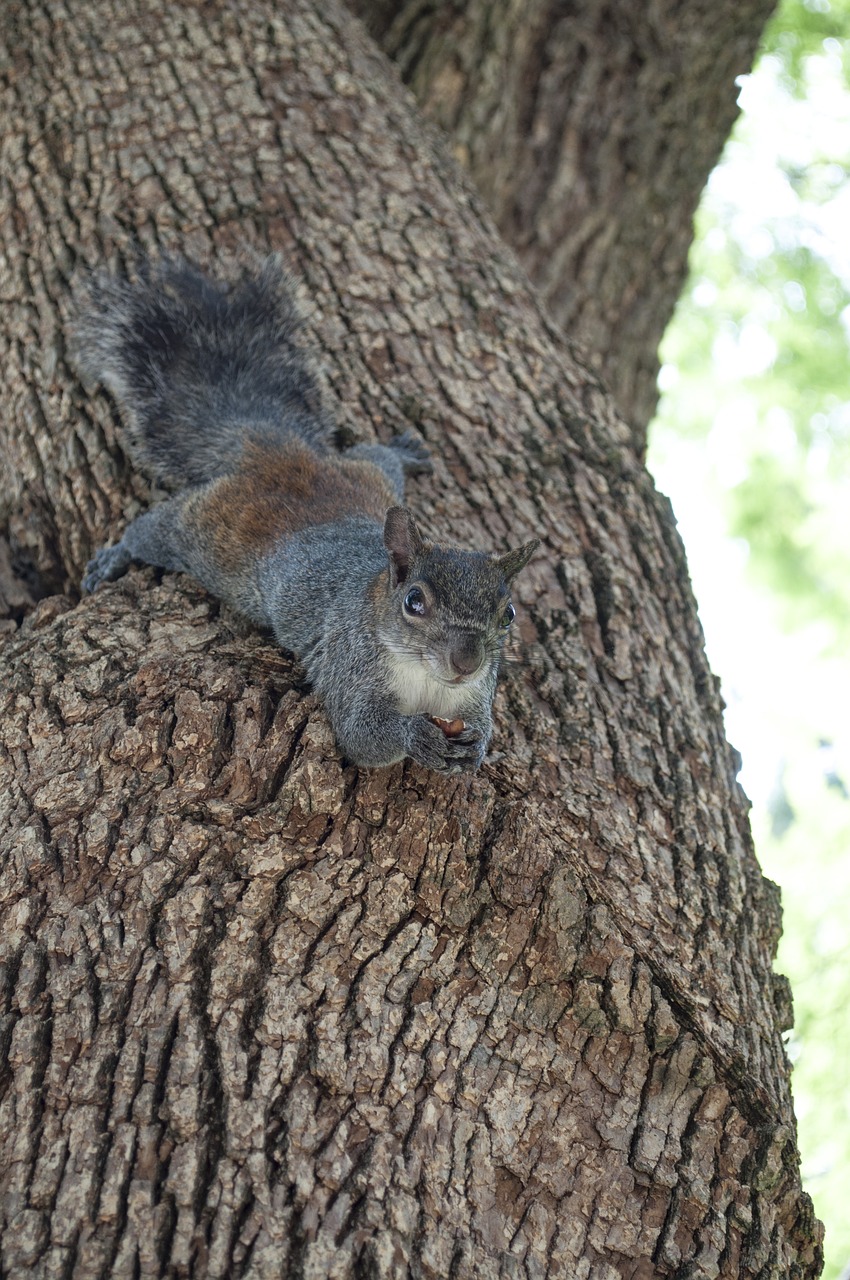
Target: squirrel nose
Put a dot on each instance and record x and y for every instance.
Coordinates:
(466, 655)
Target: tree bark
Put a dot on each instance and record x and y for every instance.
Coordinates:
(590, 129)
(267, 1015)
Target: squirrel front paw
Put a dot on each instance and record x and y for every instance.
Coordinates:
(427, 744)
(106, 565)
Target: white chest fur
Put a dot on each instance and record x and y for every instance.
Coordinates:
(418, 692)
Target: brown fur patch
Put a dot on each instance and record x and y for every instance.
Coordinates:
(279, 490)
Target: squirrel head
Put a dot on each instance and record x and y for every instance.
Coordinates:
(447, 609)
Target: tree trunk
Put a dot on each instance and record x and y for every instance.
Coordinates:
(266, 1015)
(590, 129)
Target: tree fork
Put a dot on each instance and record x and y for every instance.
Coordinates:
(263, 1014)
(590, 129)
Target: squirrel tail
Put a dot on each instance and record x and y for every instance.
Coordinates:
(195, 364)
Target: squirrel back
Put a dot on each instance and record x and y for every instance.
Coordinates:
(196, 365)
(400, 636)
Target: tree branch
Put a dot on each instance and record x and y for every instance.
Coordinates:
(590, 129)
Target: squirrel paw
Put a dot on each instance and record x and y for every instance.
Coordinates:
(106, 565)
(413, 452)
(428, 745)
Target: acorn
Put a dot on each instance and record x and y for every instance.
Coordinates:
(451, 728)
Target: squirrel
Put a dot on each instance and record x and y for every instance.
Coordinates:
(401, 637)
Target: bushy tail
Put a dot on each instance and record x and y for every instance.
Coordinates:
(194, 364)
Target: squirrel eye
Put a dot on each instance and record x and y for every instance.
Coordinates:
(508, 616)
(414, 603)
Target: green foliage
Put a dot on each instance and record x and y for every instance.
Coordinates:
(812, 865)
(755, 416)
(799, 29)
(758, 358)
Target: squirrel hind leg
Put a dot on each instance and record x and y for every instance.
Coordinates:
(107, 564)
(405, 454)
(413, 453)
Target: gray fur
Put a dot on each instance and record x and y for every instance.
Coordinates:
(405, 455)
(345, 650)
(162, 537)
(195, 366)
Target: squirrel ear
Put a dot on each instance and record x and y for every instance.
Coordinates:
(402, 541)
(511, 563)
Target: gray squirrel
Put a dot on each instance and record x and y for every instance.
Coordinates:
(399, 636)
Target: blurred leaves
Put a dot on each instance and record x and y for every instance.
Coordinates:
(754, 423)
(811, 862)
(799, 29)
(757, 361)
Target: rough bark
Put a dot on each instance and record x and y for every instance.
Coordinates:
(590, 129)
(264, 1014)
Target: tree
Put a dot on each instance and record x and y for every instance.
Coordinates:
(265, 1015)
(577, 122)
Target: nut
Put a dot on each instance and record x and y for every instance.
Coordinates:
(451, 728)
